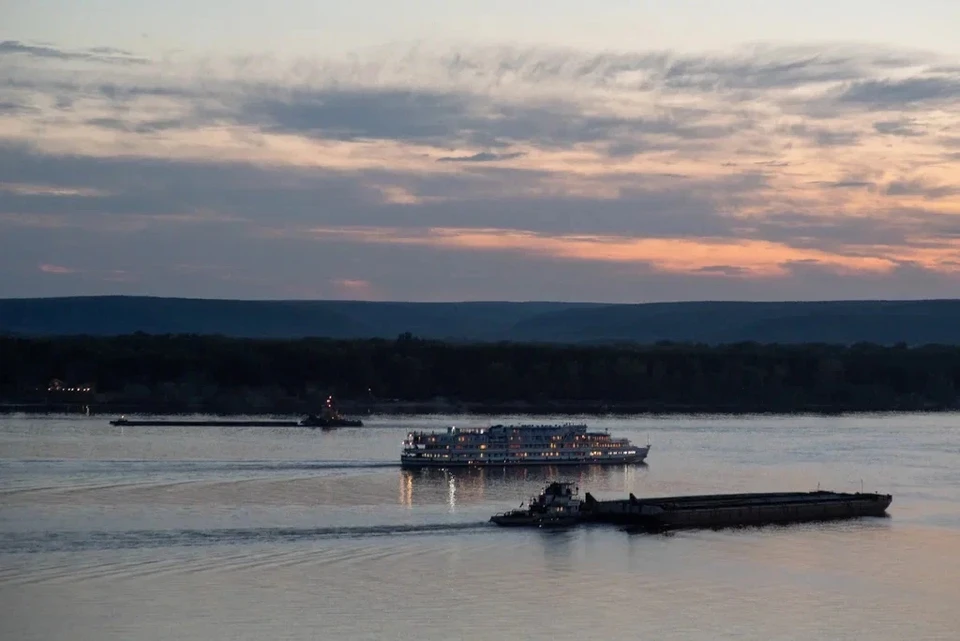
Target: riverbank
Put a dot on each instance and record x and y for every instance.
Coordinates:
(558, 408)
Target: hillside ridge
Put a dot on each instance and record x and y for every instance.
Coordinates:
(710, 322)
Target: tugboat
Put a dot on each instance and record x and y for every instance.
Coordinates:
(330, 418)
(557, 506)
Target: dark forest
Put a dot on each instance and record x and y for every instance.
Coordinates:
(176, 373)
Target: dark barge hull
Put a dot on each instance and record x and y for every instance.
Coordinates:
(319, 423)
(147, 423)
(732, 510)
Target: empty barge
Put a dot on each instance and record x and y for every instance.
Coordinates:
(732, 510)
(713, 510)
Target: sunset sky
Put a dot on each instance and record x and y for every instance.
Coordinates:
(616, 151)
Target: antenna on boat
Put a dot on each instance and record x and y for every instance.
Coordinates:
(861, 486)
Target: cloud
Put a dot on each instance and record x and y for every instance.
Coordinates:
(735, 171)
(49, 190)
(47, 268)
(887, 94)
(483, 156)
(355, 288)
(823, 137)
(723, 270)
(901, 127)
(919, 187)
(846, 184)
(95, 54)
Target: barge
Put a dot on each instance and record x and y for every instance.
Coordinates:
(711, 511)
(310, 421)
(329, 418)
(125, 422)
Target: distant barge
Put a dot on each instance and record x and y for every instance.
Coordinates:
(328, 419)
(713, 511)
(310, 421)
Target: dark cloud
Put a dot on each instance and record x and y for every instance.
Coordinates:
(9, 107)
(822, 137)
(712, 74)
(656, 206)
(95, 54)
(835, 232)
(360, 114)
(909, 280)
(920, 188)
(447, 118)
(903, 127)
(724, 270)
(893, 94)
(142, 127)
(483, 156)
(845, 184)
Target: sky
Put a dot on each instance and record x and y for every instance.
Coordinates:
(615, 151)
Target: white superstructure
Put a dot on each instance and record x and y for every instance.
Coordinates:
(518, 445)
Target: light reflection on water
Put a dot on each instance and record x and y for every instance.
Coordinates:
(258, 533)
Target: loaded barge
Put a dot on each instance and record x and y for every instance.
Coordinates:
(327, 419)
(707, 511)
(310, 421)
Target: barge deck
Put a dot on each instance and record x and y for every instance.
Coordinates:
(732, 510)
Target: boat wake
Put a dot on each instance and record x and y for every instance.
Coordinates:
(188, 465)
(36, 542)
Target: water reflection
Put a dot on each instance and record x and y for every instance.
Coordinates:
(557, 546)
(458, 486)
(406, 490)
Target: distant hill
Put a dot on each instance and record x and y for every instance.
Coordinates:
(882, 322)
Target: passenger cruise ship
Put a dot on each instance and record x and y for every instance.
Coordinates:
(518, 445)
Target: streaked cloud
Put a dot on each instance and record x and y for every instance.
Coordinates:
(740, 174)
(94, 54)
(47, 268)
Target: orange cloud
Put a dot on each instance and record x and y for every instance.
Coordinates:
(354, 288)
(678, 255)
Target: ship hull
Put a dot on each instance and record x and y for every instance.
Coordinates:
(414, 463)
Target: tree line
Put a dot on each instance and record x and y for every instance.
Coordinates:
(194, 370)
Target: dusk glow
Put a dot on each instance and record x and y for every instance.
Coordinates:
(468, 150)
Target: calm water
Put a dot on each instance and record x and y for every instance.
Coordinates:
(259, 533)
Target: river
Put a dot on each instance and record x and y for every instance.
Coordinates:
(142, 533)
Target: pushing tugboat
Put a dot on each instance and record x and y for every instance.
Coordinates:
(557, 506)
(330, 418)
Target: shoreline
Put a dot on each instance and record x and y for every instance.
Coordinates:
(360, 410)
